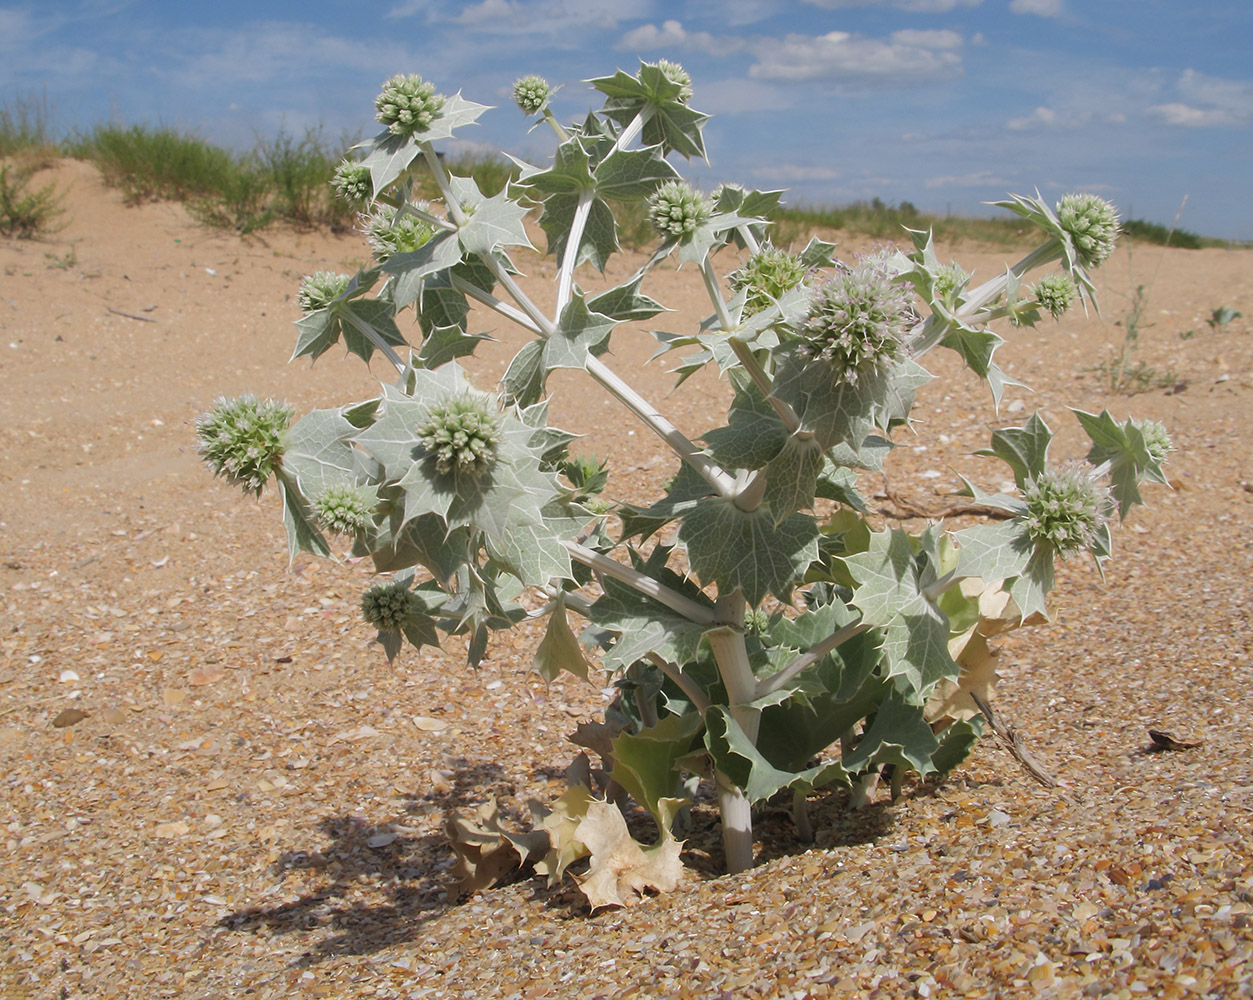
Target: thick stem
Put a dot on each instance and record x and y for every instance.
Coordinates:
(863, 789)
(374, 337)
(800, 816)
(737, 825)
(490, 300)
(748, 360)
(695, 693)
(715, 295)
(570, 259)
(646, 585)
(816, 653)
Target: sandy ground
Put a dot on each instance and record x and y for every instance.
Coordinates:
(252, 803)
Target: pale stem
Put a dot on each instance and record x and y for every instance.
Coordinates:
(629, 133)
(816, 653)
(557, 127)
(490, 300)
(373, 336)
(646, 585)
(570, 258)
(800, 816)
(750, 490)
(744, 353)
(750, 241)
(731, 655)
(709, 470)
(737, 825)
(498, 270)
(715, 294)
(699, 699)
(408, 208)
(863, 789)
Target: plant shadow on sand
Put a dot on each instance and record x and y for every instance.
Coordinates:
(410, 871)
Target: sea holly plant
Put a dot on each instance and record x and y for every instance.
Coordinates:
(765, 632)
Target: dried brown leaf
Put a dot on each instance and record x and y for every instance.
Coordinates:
(621, 870)
(486, 851)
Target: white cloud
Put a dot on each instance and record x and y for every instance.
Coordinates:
(978, 178)
(1043, 117)
(408, 8)
(672, 34)
(1040, 8)
(839, 55)
(928, 39)
(738, 96)
(553, 19)
(1190, 117)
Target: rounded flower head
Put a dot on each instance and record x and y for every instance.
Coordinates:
(1055, 292)
(950, 279)
(531, 94)
(389, 235)
(407, 104)
(765, 276)
(1156, 440)
(242, 439)
(1092, 223)
(677, 75)
(352, 182)
(1066, 507)
(462, 433)
(386, 606)
(858, 320)
(344, 508)
(675, 210)
(317, 291)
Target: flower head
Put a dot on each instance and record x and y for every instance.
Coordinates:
(950, 279)
(677, 75)
(858, 321)
(1066, 508)
(1055, 292)
(765, 276)
(531, 94)
(386, 606)
(407, 104)
(390, 235)
(352, 182)
(462, 433)
(1156, 440)
(1092, 223)
(675, 209)
(344, 508)
(317, 291)
(242, 439)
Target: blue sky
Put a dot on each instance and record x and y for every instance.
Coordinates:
(945, 103)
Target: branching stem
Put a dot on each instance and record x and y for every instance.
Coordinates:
(646, 585)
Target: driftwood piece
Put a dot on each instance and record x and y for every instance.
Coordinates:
(1009, 739)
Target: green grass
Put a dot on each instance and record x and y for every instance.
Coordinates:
(26, 131)
(26, 212)
(1152, 232)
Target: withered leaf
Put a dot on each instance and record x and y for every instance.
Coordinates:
(486, 851)
(622, 871)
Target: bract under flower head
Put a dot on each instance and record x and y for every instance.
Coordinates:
(407, 104)
(1092, 223)
(344, 508)
(352, 182)
(531, 94)
(676, 74)
(1066, 508)
(676, 210)
(1055, 292)
(386, 606)
(462, 433)
(319, 290)
(242, 439)
(767, 275)
(858, 321)
(390, 234)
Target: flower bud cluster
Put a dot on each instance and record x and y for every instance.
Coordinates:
(1156, 440)
(407, 104)
(389, 235)
(386, 606)
(344, 508)
(352, 182)
(531, 94)
(462, 433)
(319, 290)
(242, 439)
(676, 210)
(950, 279)
(1092, 223)
(1055, 292)
(858, 321)
(676, 74)
(1066, 507)
(765, 276)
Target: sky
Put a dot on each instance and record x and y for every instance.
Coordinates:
(947, 104)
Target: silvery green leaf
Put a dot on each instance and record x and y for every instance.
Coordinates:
(736, 757)
(956, 741)
(625, 302)
(319, 332)
(456, 113)
(570, 172)
(632, 174)
(580, 332)
(839, 483)
(754, 434)
(388, 156)
(1030, 589)
(747, 550)
(600, 234)
(1024, 449)
(421, 541)
(645, 626)
(685, 491)
(1124, 448)
(530, 551)
(994, 552)
(792, 477)
(359, 318)
(496, 222)
(409, 270)
(646, 763)
(444, 344)
(818, 253)
(524, 379)
(899, 734)
(302, 532)
(559, 649)
(673, 124)
(319, 451)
